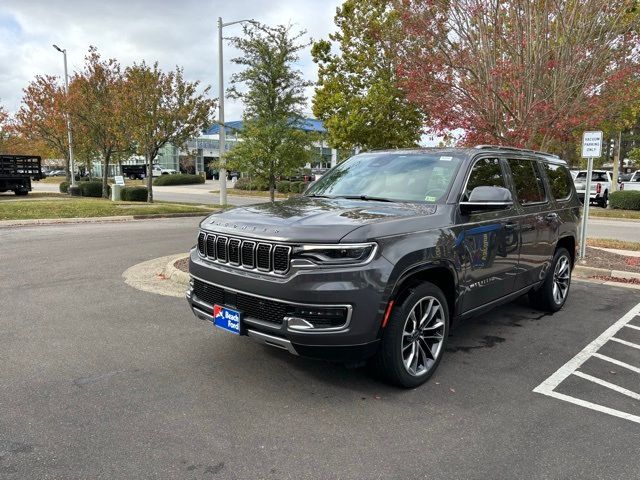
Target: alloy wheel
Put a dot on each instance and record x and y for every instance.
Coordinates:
(561, 279)
(423, 336)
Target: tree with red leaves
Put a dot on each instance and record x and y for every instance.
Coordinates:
(520, 73)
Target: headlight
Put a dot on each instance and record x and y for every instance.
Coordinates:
(334, 254)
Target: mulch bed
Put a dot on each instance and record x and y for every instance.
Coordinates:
(603, 259)
(182, 264)
(633, 281)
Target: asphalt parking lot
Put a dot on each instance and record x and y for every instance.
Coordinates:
(99, 380)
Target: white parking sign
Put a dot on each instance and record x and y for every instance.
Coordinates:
(591, 144)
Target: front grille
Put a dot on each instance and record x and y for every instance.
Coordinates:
(221, 249)
(249, 254)
(262, 309)
(208, 293)
(201, 244)
(267, 310)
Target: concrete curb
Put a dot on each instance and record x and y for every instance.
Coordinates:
(175, 274)
(150, 277)
(582, 271)
(120, 218)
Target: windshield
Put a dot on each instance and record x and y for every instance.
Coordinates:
(403, 177)
(595, 176)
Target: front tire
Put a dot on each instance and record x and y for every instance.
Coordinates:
(414, 338)
(553, 293)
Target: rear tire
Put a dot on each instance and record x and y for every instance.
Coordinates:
(414, 338)
(21, 193)
(603, 201)
(554, 291)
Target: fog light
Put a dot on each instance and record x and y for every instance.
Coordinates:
(307, 318)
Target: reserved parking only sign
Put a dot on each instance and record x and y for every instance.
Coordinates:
(591, 144)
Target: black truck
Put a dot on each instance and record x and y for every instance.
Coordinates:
(17, 171)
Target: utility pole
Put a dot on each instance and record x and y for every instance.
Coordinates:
(72, 189)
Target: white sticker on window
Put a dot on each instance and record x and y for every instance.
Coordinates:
(446, 159)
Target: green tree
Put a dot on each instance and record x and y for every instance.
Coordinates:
(273, 97)
(358, 96)
(96, 107)
(4, 134)
(162, 108)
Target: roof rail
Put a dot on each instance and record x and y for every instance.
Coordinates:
(515, 149)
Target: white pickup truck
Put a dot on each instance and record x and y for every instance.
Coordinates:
(633, 183)
(600, 186)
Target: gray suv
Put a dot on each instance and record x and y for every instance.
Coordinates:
(382, 256)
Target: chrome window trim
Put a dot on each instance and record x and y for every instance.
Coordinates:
(340, 328)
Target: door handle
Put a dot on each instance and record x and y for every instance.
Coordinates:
(551, 217)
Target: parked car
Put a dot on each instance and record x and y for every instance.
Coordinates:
(600, 186)
(633, 183)
(231, 174)
(157, 171)
(387, 252)
(56, 173)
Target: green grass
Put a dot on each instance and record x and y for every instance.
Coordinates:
(614, 213)
(88, 207)
(611, 243)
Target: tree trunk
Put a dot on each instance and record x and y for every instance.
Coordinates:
(149, 179)
(272, 189)
(105, 175)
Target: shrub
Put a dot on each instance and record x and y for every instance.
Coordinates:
(92, 189)
(294, 187)
(246, 183)
(178, 179)
(303, 186)
(283, 186)
(64, 187)
(134, 194)
(625, 200)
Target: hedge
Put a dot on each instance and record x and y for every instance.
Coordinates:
(625, 200)
(87, 188)
(134, 194)
(246, 183)
(92, 189)
(283, 186)
(178, 179)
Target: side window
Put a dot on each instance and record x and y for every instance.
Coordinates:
(528, 181)
(486, 172)
(559, 180)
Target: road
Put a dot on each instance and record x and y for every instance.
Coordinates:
(103, 381)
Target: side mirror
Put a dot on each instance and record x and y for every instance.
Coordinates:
(487, 198)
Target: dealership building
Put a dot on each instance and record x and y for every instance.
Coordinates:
(198, 153)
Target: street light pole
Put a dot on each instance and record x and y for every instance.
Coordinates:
(69, 134)
(222, 171)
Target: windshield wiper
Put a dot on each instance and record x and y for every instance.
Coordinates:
(313, 195)
(364, 197)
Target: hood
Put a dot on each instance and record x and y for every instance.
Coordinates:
(305, 219)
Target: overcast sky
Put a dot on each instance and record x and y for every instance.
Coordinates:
(180, 32)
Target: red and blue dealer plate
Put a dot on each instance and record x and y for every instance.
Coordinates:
(226, 319)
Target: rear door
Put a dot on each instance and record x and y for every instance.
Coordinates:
(487, 242)
(538, 222)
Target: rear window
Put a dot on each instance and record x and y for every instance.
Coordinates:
(595, 176)
(559, 181)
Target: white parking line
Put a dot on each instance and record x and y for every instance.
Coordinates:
(624, 342)
(632, 326)
(548, 386)
(617, 362)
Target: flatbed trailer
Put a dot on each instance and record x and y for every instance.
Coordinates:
(17, 172)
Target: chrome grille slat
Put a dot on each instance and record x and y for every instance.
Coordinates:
(248, 253)
(244, 253)
(221, 249)
(211, 246)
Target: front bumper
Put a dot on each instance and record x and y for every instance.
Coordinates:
(359, 289)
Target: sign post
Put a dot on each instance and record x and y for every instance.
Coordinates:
(591, 148)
